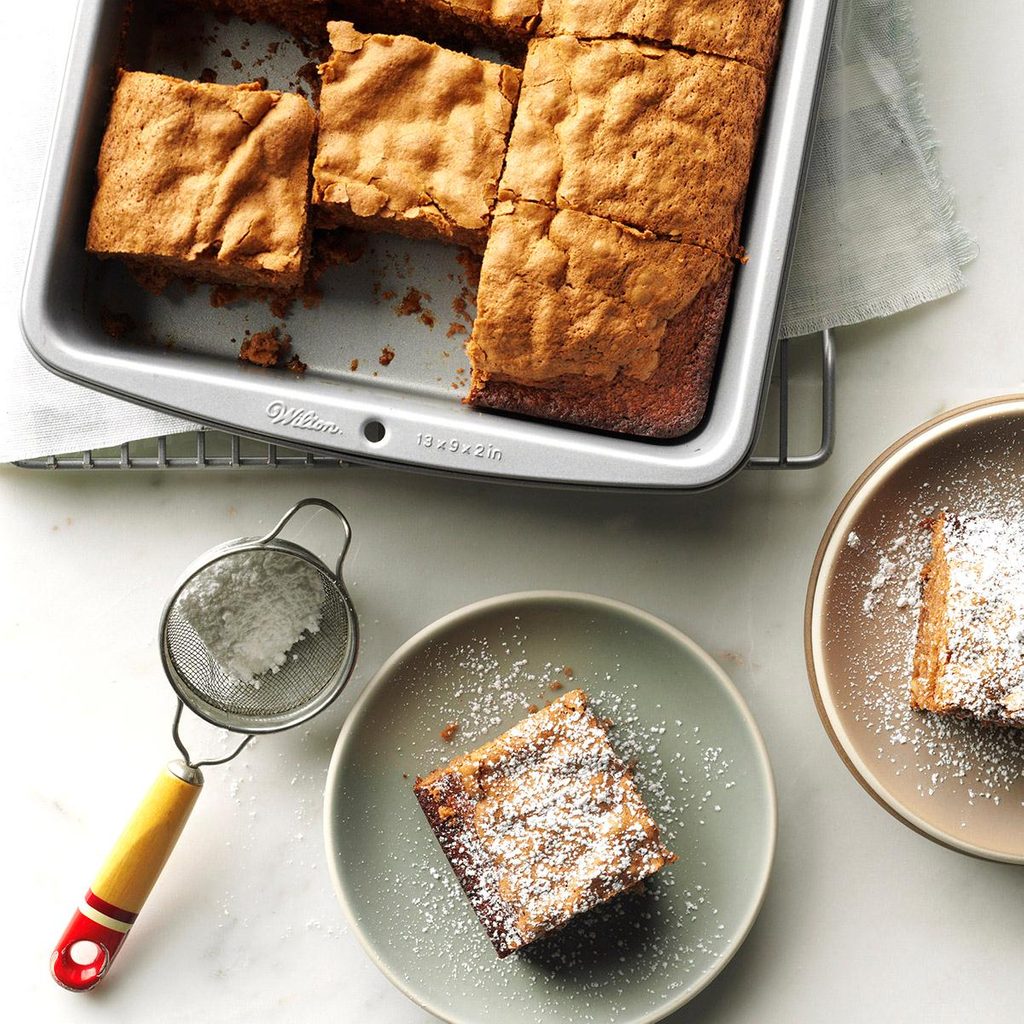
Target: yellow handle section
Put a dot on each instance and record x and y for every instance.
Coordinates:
(135, 863)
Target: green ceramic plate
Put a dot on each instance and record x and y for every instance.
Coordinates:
(701, 763)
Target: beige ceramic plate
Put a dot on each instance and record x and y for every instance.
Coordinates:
(957, 783)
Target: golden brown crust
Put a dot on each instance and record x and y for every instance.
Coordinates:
(654, 138)
(542, 823)
(745, 30)
(412, 136)
(206, 181)
(932, 647)
(587, 322)
(515, 18)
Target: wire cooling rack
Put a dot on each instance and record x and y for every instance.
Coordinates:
(214, 449)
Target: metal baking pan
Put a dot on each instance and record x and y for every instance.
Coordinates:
(409, 412)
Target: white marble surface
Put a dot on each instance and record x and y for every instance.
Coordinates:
(864, 920)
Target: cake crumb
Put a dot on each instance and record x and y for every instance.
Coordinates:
(265, 348)
(115, 325)
(449, 731)
(387, 354)
(412, 303)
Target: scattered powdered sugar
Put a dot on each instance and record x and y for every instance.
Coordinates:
(662, 938)
(275, 787)
(939, 753)
(251, 608)
(883, 575)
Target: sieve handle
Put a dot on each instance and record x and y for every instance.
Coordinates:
(102, 921)
(317, 503)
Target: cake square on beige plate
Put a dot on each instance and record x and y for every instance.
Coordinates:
(969, 659)
(745, 30)
(543, 823)
(412, 137)
(589, 322)
(658, 139)
(206, 181)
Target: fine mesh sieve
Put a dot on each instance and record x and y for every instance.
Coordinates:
(314, 671)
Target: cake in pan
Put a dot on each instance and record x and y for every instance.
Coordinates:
(743, 30)
(412, 137)
(207, 181)
(653, 146)
(622, 327)
(969, 658)
(658, 139)
(604, 183)
(542, 824)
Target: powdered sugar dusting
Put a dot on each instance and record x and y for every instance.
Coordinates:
(982, 765)
(985, 617)
(542, 823)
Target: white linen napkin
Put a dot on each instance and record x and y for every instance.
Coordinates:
(878, 231)
(877, 234)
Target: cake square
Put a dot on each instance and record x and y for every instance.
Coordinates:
(412, 137)
(658, 139)
(589, 322)
(745, 30)
(205, 181)
(969, 657)
(543, 823)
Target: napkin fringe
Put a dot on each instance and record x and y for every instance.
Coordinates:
(875, 42)
(965, 246)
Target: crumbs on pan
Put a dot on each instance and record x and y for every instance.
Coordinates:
(265, 348)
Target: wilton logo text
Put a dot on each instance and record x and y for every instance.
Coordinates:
(302, 419)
